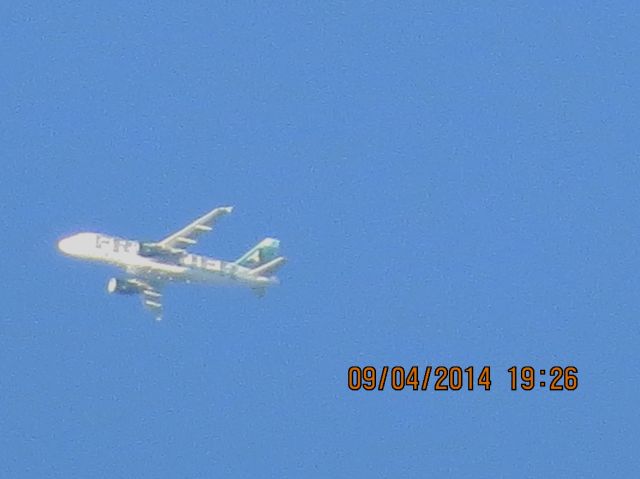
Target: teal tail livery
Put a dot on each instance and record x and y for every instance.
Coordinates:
(260, 254)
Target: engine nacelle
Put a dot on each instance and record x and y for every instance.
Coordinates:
(150, 250)
(122, 286)
(154, 250)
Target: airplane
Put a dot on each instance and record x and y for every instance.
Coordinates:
(151, 265)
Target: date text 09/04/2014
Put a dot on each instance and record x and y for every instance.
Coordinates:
(456, 378)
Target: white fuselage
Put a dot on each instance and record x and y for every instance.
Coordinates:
(182, 267)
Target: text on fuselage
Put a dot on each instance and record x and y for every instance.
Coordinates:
(117, 245)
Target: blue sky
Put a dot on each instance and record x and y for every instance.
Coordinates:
(452, 185)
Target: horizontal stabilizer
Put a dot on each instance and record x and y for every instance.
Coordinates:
(270, 267)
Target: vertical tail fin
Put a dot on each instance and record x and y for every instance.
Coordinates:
(260, 254)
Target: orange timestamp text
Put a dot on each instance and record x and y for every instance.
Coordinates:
(456, 378)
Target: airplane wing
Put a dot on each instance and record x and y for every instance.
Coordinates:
(188, 235)
(152, 300)
(149, 292)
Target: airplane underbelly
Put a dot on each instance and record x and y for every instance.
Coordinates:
(182, 275)
(208, 277)
(153, 269)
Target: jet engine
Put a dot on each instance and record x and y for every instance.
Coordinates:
(122, 286)
(154, 250)
(151, 249)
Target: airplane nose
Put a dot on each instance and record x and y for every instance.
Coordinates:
(63, 245)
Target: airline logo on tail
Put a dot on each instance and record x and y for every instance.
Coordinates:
(260, 254)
